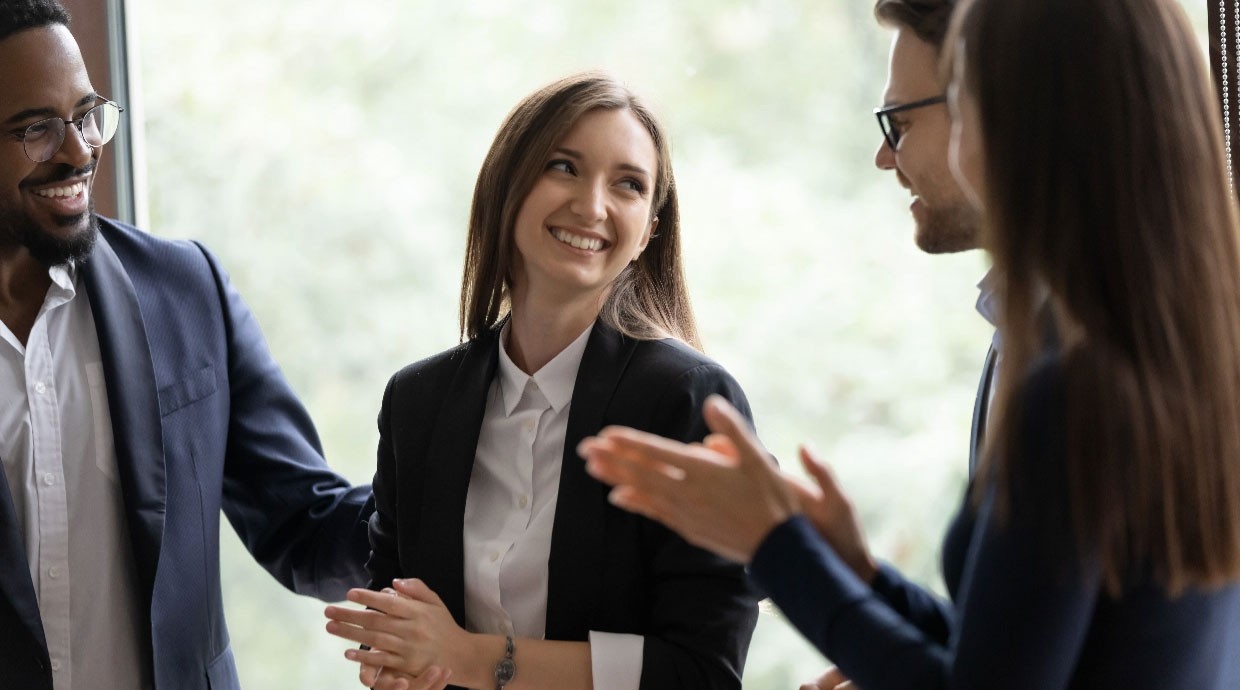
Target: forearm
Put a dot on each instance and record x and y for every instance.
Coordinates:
(540, 664)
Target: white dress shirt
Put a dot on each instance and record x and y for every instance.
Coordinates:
(510, 511)
(60, 464)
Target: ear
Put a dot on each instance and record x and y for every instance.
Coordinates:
(654, 224)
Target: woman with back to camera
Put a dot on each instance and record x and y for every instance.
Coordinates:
(575, 310)
(1099, 546)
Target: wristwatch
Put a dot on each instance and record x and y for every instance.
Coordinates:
(506, 668)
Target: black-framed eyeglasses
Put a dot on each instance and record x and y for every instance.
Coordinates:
(890, 131)
(97, 126)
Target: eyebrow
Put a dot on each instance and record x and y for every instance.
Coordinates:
(629, 167)
(48, 112)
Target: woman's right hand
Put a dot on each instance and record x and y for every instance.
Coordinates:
(833, 515)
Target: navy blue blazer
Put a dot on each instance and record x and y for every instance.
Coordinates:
(1027, 612)
(203, 420)
(609, 570)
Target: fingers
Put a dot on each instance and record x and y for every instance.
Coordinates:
(388, 601)
(619, 460)
(368, 675)
(721, 444)
(653, 505)
(723, 419)
(821, 474)
(418, 590)
(377, 658)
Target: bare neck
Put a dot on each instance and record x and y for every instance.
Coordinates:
(538, 331)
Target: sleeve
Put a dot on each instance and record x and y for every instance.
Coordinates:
(1022, 617)
(384, 563)
(303, 522)
(703, 611)
(930, 613)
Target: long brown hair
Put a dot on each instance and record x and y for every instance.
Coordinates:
(649, 299)
(1106, 186)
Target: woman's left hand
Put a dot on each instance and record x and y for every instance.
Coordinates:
(408, 629)
(724, 495)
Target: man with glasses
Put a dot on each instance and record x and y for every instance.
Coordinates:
(137, 401)
(916, 131)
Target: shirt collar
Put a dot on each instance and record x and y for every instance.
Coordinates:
(988, 297)
(556, 379)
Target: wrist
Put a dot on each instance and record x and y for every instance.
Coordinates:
(478, 667)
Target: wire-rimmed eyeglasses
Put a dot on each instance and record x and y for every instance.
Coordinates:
(44, 138)
(890, 131)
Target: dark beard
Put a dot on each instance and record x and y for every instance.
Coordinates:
(951, 229)
(46, 248)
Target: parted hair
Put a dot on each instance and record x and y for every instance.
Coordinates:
(1106, 186)
(929, 19)
(20, 15)
(649, 299)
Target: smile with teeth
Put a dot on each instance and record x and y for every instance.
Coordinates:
(68, 191)
(577, 241)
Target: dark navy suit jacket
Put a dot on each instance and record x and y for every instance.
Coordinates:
(1027, 611)
(203, 420)
(609, 570)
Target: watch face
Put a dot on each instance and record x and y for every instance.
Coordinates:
(505, 670)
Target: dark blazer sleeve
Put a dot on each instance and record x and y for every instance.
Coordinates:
(1019, 625)
(929, 612)
(411, 405)
(303, 522)
(702, 610)
(384, 563)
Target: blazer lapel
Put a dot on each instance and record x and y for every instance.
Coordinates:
(449, 463)
(133, 404)
(581, 508)
(15, 584)
(981, 409)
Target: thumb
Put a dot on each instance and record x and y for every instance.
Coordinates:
(821, 473)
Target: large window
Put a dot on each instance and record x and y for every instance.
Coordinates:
(327, 152)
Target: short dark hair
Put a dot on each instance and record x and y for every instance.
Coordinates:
(20, 15)
(928, 19)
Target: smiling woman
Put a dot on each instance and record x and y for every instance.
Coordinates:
(479, 492)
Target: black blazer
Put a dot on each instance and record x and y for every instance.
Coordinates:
(610, 570)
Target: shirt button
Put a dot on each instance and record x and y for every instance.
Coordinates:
(523, 501)
(494, 556)
(529, 426)
(40, 388)
(49, 479)
(55, 665)
(54, 572)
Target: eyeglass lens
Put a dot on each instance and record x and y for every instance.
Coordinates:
(97, 127)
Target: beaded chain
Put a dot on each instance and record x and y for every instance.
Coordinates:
(1224, 77)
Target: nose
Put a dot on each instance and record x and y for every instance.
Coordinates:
(884, 157)
(589, 202)
(73, 150)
